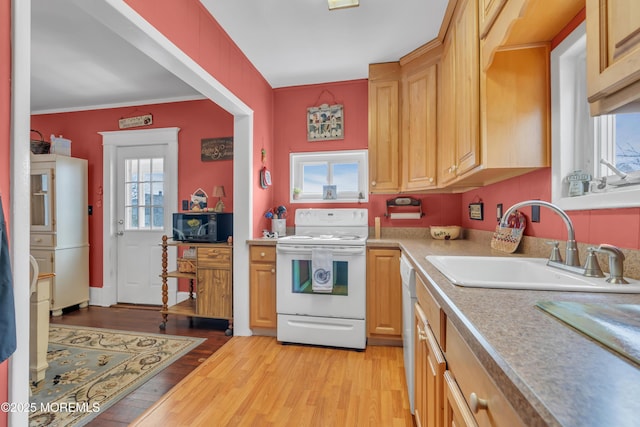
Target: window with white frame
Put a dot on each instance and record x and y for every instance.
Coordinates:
(329, 176)
(596, 160)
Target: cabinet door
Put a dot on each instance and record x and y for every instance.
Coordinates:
(429, 374)
(456, 411)
(384, 293)
(214, 295)
(613, 46)
(263, 295)
(467, 72)
(383, 136)
(447, 114)
(420, 369)
(419, 131)
(42, 199)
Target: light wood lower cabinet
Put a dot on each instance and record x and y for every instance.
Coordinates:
(429, 374)
(451, 386)
(456, 411)
(384, 295)
(262, 287)
(487, 403)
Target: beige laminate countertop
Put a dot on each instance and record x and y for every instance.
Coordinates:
(552, 374)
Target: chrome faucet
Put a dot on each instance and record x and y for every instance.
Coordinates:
(616, 262)
(572, 259)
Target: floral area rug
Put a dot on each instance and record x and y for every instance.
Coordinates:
(90, 369)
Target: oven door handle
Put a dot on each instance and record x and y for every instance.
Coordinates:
(307, 250)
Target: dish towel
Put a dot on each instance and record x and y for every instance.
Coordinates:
(322, 266)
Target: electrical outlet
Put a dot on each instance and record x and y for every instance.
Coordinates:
(535, 213)
(185, 205)
(499, 211)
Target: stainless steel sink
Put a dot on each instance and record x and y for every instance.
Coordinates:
(520, 273)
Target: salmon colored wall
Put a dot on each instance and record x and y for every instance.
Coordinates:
(192, 28)
(5, 131)
(196, 120)
(620, 227)
(290, 115)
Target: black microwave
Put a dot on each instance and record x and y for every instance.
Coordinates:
(202, 227)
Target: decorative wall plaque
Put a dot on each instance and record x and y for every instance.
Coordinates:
(216, 149)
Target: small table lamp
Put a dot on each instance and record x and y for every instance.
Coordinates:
(218, 191)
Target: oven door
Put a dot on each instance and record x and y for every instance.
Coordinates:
(295, 295)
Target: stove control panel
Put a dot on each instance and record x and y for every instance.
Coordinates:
(337, 217)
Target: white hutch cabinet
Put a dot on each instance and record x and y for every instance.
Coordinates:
(60, 226)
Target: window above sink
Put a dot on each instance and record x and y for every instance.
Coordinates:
(580, 141)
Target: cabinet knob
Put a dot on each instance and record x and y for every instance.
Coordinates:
(422, 335)
(262, 254)
(38, 240)
(373, 183)
(476, 404)
(273, 270)
(431, 179)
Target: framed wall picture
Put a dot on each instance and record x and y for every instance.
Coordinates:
(329, 192)
(325, 123)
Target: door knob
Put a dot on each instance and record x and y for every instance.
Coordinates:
(120, 233)
(121, 221)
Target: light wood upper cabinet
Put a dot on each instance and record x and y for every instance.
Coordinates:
(489, 10)
(505, 133)
(468, 88)
(447, 114)
(384, 127)
(419, 132)
(459, 136)
(613, 54)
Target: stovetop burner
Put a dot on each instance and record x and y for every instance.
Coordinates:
(329, 227)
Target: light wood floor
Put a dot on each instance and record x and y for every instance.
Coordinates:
(256, 381)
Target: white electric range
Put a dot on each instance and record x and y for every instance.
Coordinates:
(321, 279)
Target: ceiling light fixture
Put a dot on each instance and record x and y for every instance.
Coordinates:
(342, 4)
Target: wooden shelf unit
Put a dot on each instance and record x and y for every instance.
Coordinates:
(213, 279)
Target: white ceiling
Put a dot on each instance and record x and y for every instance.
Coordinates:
(299, 42)
(79, 64)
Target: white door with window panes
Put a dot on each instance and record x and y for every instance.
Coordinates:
(141, 222)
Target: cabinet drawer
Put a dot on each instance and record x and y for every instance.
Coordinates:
(472, 378)
(435, 316)
(214, 257)
(263, 254)
(43, 240)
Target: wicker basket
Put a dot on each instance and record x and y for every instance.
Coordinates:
(39, 146)
(507, 239)
(186, 265)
